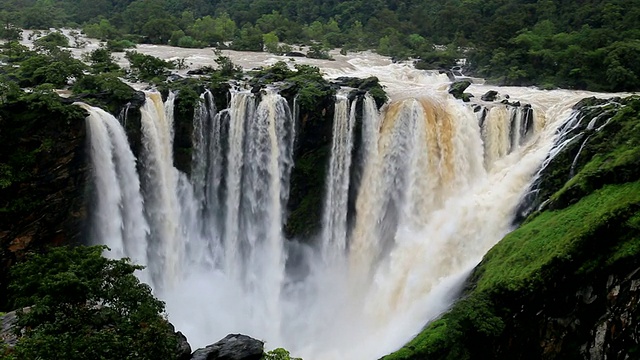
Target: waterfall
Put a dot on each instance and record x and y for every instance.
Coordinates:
(436, 186)
(161, 184)
(334, 237)
(119, 220)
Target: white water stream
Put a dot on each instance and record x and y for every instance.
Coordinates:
(439, 188)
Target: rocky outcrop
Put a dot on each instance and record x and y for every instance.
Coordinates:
(183, 348)
(578, 319)
(43, 177)
(490, 95)
(457, 90)
(232, 347)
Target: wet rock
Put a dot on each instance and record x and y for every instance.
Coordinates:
(490, 95)
(295, 54)
(205, 70)
(457, 88)
(507, 102)
(183, 349)
(449, 74)
(232, 347)
(174, 77)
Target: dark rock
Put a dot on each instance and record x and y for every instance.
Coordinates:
(45, 204)
(232, 347)
(183, 349)
(466, 97)
(449, 73)
(507, 102)
(457, 88)
(489, 95)
(174, 77)
(295, 54)
(457, 70)
(205, 70)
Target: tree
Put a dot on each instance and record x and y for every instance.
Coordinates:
(101, 61)
(250, 39)
(56, 67)
(271, 43)
(147, 67)
(85, 306)
(102, 30)
(158, 31)
(51, 40)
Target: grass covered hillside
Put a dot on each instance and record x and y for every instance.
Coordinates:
(564, 285)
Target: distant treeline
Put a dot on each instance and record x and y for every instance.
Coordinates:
(590, 44)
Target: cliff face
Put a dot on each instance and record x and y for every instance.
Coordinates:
(43, 175)
(565, 284)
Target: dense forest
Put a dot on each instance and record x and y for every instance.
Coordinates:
(590, 44)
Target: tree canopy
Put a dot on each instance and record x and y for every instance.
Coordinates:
(81, 305)
(589, 44)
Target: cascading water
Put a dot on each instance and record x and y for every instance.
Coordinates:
(334, 237)
(438, 187)
(119, 219)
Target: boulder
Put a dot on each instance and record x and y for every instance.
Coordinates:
(205, 70)
(295, 54)
(232, 347)
(489, 95)
(466, 97)
(457, 88)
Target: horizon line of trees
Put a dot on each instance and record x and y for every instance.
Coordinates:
(592, 45)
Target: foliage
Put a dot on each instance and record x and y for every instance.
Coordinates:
(102, 30)
(56, 67)
(104, 89)
(41, 114)
(147, 67)
(279, 354)
(317, 51)
(51, 40)
(227, 69)
(549, 43)
(248, 39)
(10, 32)
(119, 45)
(101, 61)
(83, 305)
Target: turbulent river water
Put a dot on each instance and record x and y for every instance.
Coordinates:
(439, 186)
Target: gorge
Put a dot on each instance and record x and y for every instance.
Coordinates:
(339, 227)
(430, 188)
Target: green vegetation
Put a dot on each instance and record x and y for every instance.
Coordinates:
(147, 67)
(592, 44)
(279, 354)
(52, 40)
(592, 224)
(80, 305)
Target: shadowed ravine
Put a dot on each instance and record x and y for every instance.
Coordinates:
(440, 185)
